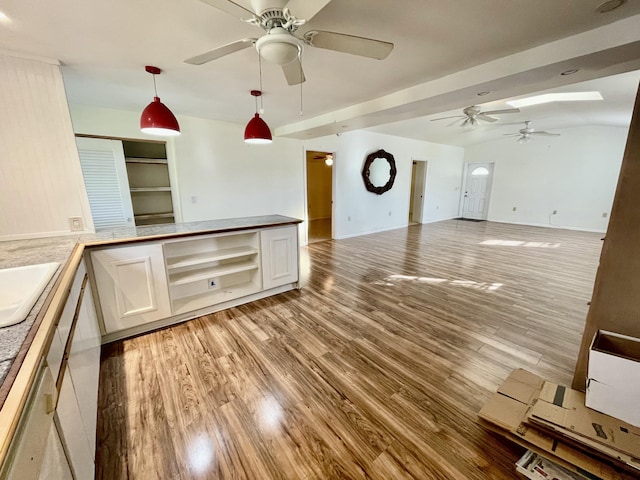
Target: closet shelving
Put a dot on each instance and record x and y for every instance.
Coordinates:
(212, 269)
(149, 183)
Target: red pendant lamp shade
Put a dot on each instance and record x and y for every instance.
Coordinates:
(257, 131)
(156, 118)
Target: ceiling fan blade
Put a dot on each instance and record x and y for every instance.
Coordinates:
(498, 112)
(512, 134)
(340, 42)
(306, 9)
(546, 134)
(221, 51)
(293, 72)
(232, 8)
(486, 118)
(446, 118)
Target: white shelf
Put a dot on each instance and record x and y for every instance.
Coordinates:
(162, 161)
(210, 272)
(212, 256)
(206, 299)
(149, 189)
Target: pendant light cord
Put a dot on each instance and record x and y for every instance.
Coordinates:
(155, 89)
(260, 68)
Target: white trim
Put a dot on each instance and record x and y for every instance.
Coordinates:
(359, 234)
(546, 225)
(26, 56)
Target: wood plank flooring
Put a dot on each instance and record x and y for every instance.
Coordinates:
(374, 370)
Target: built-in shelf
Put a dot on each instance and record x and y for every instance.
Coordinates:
(211, 272)
(207, 257)
(149, 182)
(161, 161)
(149, 189)
(148, 216)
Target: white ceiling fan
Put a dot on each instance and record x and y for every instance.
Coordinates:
(527, 133)
(279, 45)
(472, 115)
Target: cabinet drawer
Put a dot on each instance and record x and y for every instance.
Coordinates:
(65, 323)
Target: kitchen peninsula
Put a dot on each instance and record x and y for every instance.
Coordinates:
(140, 279)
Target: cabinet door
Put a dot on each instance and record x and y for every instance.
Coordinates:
(132, 285)
(28, 448)
(84, 365)
(279, 248)
(54, 464)
(72, 432)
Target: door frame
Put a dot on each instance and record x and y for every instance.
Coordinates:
(306, 200)
(465, 174)
(424, 189)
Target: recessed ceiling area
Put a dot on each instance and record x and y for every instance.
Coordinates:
(444, 54)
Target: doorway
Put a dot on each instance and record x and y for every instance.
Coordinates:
(475, 204)
(418, 184)
(319, 196)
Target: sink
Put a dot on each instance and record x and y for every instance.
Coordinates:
(20, 288)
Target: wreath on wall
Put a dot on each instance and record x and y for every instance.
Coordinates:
(366, 174)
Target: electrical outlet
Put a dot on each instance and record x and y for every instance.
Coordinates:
(76, 224)
(554, 212)
(389, 213)
(348, 219)
(213, 283)
(194, 199)
(514, 209)
(604, 214)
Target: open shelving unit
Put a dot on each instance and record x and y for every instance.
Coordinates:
(149, 183)
(212, 269)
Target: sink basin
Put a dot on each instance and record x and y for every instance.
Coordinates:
(20, 288)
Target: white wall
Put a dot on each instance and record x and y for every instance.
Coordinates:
(359, 212)
(41, 183)
(575, 174)
(210, 161)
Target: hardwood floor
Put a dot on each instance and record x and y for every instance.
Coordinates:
(375, 369)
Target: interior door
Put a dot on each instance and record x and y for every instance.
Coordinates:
(477, 191)
(418, 183)
(105, 178)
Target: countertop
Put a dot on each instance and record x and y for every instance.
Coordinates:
(58, 249)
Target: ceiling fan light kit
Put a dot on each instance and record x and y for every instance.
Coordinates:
(156, 118)
(279, 47)
(257, 131)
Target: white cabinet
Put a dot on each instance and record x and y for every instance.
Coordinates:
(132, 285)
(28, 449)
(212, 269)
(279, 256)
(72, 430)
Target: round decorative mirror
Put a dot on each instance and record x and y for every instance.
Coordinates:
(379, 172)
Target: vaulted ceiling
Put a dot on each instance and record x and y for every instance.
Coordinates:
(445, 53)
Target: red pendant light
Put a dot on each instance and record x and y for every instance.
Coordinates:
(156, 118)
(257, 131)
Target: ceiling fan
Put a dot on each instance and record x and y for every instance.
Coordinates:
(472, 115)
(279, 45)
(526, 134)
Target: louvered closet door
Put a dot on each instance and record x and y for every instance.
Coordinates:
(105, 177)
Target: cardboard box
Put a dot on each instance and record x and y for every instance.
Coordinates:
(562, 410)
(613, 383)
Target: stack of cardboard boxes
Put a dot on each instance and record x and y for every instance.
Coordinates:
(556, 423)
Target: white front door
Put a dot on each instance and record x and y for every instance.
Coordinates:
(477, 191)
